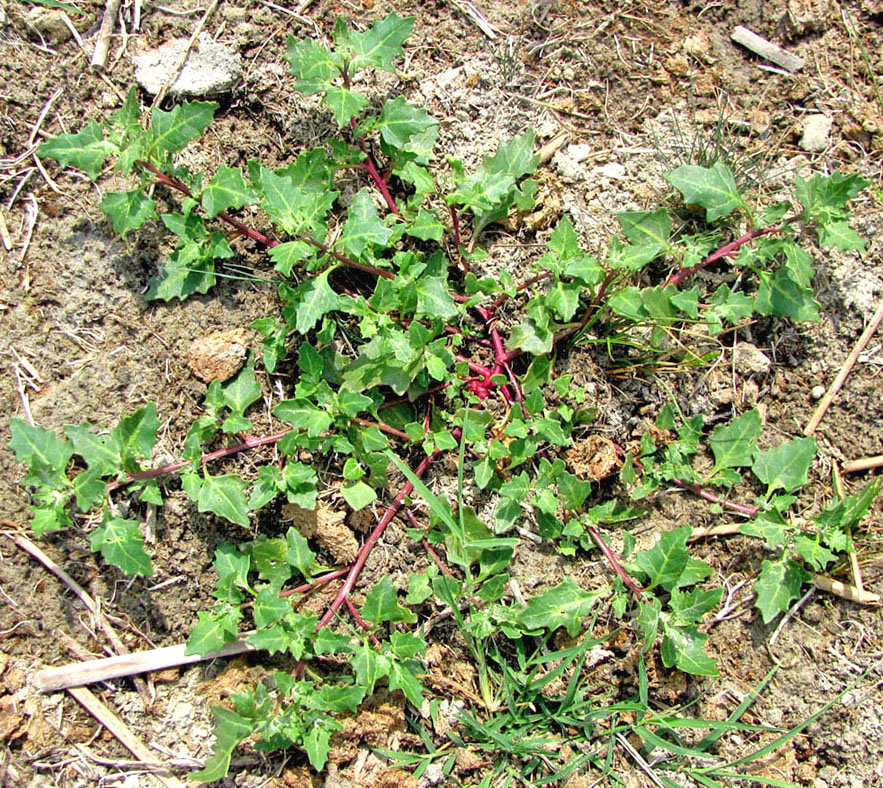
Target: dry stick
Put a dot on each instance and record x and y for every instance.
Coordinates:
(95, 670)
(863, 464)
(767, 49)
(845, 590)
(844, 370)
(184, 55)
(122, 733)
(717, 530)
(29, 547)
(102, 44)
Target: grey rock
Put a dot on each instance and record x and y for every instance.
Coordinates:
(210, 68)
(48, 24)
(749, 360)
(816, 133)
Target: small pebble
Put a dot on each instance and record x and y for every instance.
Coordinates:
(817, 392)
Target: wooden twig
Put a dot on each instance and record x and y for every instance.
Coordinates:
(845, 590)
(553, 146)
(826, 400)
(716, 530)
(863, 464)
(767, 49)
(121, 732)
(470, 10)
(160, 95)
(88, 602)
(102, 44)
(92, 671)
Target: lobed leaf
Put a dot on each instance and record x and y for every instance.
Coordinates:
(713, 188)
(86, 150)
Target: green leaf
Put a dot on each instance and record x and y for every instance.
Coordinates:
(101, 452)
(690, 606)
(314, 299)
(403, 676)
(358, 495)
(344, 103)
(664, 563)
(369, 666)
(225, 497)
(786, 466)
(734, 444)
(136, 435)
(128, 210)
(712, 188)
(382, 604)
(299, 554)
(813, 552)
(303, 415)
(777, 585)
(682, 648)
(232, 566)
(399, 121)
(781, 296)
(37, 447)
(312, 65)
(230, 729)
(565, 605)
(363, 226)
(433, 298)
(563, 299)
(269, 607)
(86, 150)
(643, 228)
(289, 254)
(426, 226)
(212, 632)
(242, 391)
(647, 621)
(769, 526)
(296, 206)
(226, 190)
(171, 131)
(382, 43)
(840, 235)
(122, 545)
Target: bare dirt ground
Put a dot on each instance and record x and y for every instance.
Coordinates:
(633, 83)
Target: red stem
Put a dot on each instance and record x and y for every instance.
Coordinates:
(373, 538)
(746, 509)
(503, 297)
(614, 561)
(383, 428)
(316, 582)
(174, 183)
(724, 251)
(248, 443)
(455, 221)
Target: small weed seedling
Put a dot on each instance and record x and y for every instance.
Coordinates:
(398, 357)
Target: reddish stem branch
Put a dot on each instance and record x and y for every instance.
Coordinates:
(373, 538)
(706, 495)
(383, 428)
(455, 221)
(613, 560)
(503, 297)
(724, 251)
(316, 582)
(266, 240)
(248, 443)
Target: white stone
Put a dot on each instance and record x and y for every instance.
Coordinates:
(817, 392)
(816, 133)
(210, 68)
